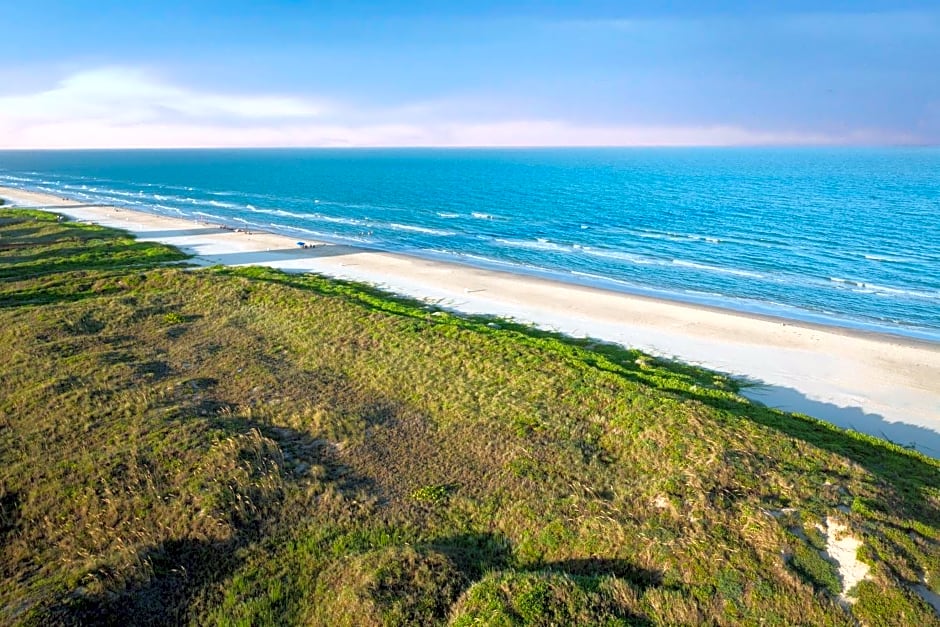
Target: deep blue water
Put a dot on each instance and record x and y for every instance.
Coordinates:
(841, 236)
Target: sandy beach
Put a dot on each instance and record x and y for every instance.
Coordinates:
(879, 384)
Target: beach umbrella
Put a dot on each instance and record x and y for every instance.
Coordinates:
(300, 243)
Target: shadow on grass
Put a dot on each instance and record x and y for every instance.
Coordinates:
(181, 569)
(9, 513)
(70, 286)
(60, 289)
(44, 297)
(8, 233)
(476, 554)
(62, 254)
(88, 257)
(73, 284)
(601, 566)
(32, 236)
(479, 553)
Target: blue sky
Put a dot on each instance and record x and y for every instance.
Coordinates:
(238, 73)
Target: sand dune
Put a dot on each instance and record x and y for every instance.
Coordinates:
(879, 384)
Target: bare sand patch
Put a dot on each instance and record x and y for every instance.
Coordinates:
(842, 549)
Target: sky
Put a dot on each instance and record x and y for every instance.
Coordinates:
(172, 73)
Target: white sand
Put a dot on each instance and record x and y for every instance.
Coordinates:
(842, 548)
(879, 384)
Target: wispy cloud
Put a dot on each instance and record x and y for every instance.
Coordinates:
(129, 108)
(127, 95)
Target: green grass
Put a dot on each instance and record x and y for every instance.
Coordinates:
(244, 446)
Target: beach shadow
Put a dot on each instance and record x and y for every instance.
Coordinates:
(273, 257)
(170, 234)
(64, 205)
(922, 439)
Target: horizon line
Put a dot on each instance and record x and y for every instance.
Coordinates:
(483, 147)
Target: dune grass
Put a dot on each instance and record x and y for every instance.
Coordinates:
(243, 447)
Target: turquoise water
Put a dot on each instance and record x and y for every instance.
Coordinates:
(849, 237)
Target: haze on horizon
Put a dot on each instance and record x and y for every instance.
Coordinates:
(371, 73)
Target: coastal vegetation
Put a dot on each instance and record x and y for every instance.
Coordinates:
(241, 446)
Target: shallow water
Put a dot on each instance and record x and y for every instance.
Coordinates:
(839, 236)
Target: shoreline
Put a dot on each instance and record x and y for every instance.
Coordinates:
(883, 384)
(772, 312)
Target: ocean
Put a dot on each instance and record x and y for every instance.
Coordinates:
(846, 237)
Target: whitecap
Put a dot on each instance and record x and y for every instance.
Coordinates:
(533, 245)
(208, 215)
(622, 256)
(721, 270)
(419, 229)
(886, 258)
(325, 218)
